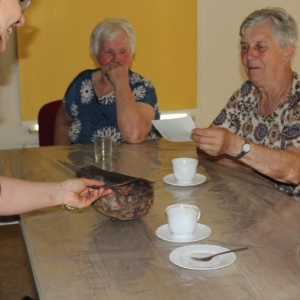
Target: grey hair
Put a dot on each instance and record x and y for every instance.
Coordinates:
(108, 29)
(284, 25)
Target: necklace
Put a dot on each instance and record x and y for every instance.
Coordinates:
(280, 92)
(275, 102)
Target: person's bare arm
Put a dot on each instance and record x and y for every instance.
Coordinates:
(20, 196)
(281, 165)
(63, 123)
(134, 119)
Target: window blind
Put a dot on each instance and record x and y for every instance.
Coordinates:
(53, 47)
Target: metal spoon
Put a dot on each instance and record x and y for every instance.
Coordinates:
(208, 258)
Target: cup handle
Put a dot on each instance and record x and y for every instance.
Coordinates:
(198, 216)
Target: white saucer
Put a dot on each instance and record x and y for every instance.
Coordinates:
(202, 232)
(181, 257)
(170, 179)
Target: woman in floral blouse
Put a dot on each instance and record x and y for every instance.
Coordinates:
(259, 127)
(111, 100)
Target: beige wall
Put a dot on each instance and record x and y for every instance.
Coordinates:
(220, 72)
(219, 68)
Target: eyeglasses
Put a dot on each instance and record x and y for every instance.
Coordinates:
(24, 4)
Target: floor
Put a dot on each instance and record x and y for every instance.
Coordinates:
(15, 275)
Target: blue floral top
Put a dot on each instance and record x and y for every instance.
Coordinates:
(93, 115)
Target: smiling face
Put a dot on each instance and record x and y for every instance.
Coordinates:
(262, 56)
(115, 51)
(10, 16)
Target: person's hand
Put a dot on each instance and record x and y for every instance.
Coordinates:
(77, 194)
(118, 74)
(216, 141)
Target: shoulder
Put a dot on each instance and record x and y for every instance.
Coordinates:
(138, 79)
(296, 82)
(246, 87)
(294, 98)
(245, 90)
(80, 88)
(86, 74)
(296, 86)
(83, 78)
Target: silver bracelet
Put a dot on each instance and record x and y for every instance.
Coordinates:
(63, 205)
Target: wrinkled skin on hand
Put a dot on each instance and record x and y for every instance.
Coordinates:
(216, 141)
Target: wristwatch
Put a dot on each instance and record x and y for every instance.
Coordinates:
(245, 149)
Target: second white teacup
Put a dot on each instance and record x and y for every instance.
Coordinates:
(182, 219)
(184, 169)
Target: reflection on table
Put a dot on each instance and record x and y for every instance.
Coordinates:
(85, 255)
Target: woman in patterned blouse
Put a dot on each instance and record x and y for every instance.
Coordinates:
(259, 127)
(111, 100)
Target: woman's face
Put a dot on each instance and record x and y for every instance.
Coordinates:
(262, 56)
(115, 51)
(10, 16)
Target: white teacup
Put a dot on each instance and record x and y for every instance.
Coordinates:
(182, 219)
(184, 169)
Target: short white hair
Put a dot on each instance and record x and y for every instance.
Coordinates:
(108, 29)
(284, 25)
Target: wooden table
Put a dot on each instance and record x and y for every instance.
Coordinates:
(85, 255)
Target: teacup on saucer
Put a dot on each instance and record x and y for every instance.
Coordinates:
(182, 219)
(184, 169)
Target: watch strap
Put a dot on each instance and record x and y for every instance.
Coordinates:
(243, 152)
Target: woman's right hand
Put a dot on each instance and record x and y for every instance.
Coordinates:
(77, 192)
(118, 74)
(216, 141)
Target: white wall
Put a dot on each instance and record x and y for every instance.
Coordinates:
(12, 133)
(219, 69)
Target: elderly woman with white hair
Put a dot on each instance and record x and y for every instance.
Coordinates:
(110, 100)
(259, 127)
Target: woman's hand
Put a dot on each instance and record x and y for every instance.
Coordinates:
(78, 194)
(118, 74)
(216, 141)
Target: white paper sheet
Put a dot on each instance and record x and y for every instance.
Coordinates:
(175, 130)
